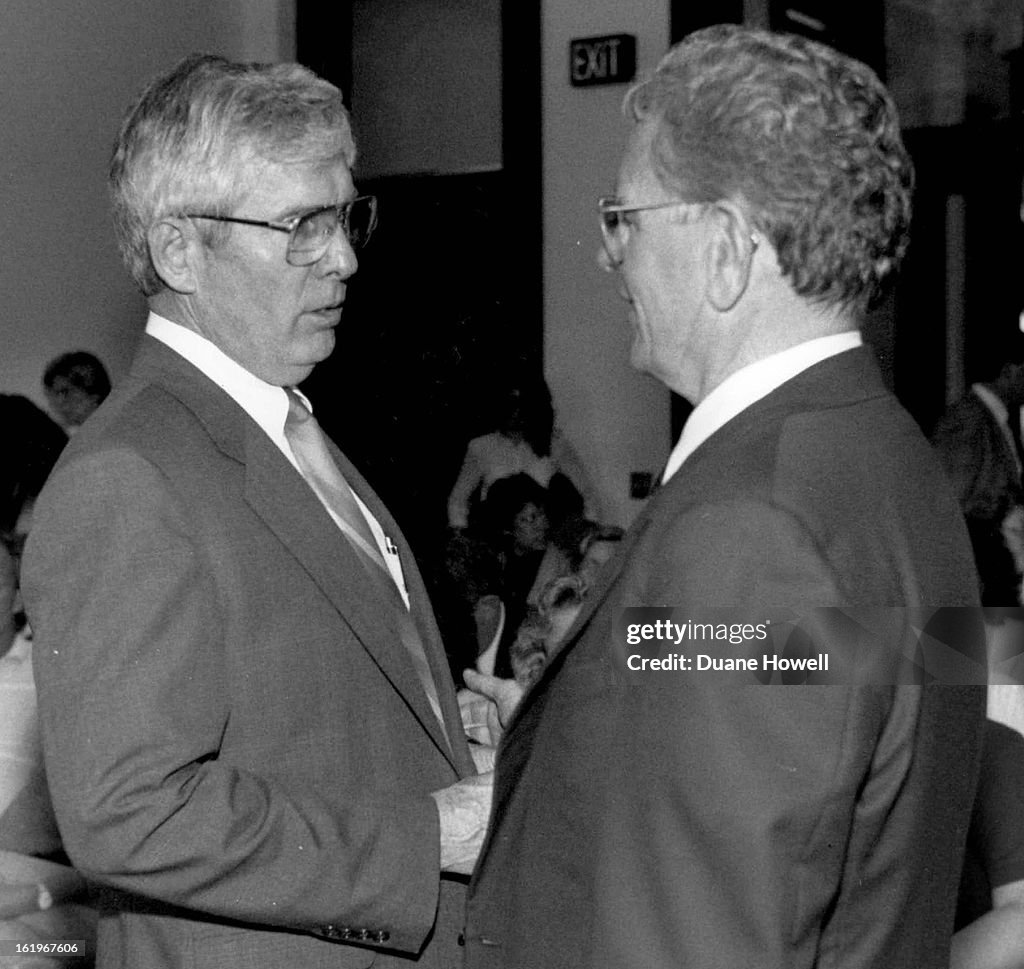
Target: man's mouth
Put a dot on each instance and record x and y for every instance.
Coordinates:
(331, 309)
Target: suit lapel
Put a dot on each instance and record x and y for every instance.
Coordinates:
(281, 498)
(365, 601)
(420, 608)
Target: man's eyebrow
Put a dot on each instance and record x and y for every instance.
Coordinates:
(298, 211)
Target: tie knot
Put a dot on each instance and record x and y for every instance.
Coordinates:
(298, 412)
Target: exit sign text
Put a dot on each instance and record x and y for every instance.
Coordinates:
(602, 60)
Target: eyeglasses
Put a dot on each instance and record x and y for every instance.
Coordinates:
(614, 228)
(309, 235)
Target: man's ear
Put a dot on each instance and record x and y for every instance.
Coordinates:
(729, 254)
(174, 248)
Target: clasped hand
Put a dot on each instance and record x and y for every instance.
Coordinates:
(487, 705)
(464, 808)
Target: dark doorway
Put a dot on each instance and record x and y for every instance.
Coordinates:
(966, 223)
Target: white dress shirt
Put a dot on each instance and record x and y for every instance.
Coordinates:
(747, 386)
(20, 749)
(267, 405)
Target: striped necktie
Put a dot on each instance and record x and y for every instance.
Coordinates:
(309, 446)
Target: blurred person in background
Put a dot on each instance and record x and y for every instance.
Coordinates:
(525, 441)
(990, 906)
(979, 440)
(75, 384)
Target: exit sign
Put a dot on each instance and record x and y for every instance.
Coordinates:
(602, 60)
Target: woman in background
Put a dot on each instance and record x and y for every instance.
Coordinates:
(525, 441)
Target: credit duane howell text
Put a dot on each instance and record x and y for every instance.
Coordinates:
(681, 662)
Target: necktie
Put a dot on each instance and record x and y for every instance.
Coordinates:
(309, 446)
(318, 468)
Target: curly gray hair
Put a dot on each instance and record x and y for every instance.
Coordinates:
(804, 138)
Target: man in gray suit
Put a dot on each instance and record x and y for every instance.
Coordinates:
(253, 743)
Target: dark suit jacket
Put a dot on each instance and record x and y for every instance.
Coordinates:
(238, 746)
(667, 820)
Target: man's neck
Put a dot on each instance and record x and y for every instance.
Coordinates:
(774, 326)
(168, 305)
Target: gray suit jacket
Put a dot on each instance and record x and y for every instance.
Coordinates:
(239, 750)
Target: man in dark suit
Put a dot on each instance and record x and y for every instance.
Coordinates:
(253, 743)
(665, 816)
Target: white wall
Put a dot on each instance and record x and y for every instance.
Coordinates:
(68, 70)
(618, 420)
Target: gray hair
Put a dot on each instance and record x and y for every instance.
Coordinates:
(805, 139)
(196, 132)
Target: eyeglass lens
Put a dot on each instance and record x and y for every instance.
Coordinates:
(611, 223)
(356, 218)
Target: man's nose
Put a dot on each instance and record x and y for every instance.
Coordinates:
(339, 257)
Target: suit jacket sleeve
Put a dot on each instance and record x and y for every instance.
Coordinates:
(135, 700)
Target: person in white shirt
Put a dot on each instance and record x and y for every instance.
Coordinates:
(978, 440)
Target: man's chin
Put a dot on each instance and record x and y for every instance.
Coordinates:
(302, 366)
(329, 340)
(320, 347)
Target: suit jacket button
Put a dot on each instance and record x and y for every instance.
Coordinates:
(461, 939)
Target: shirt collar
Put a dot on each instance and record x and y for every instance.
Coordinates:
(263, 402)
(748, 385)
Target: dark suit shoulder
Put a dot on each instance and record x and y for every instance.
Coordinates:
(813, 435)
(836, 452)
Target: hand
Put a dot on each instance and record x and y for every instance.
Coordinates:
(479, 718)
(464, 809)
(484, 757)
(487, 705)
